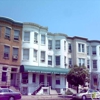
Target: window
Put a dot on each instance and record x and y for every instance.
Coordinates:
(7, 34)
(4, 76)
(81, 61)
(64, 59)
(87, 50)
(24, 78)
(42, 56)
(57, 46)
(35, 37)
(25, 54)
(70, 62)
(26, 36)
(81, 47)
(42, 39)
(34, 78)
(95, 64)
(6, 51)
(49, 60)
(64, 45)
(16, 34)
(57, 60)
(15, 53)
(88, 63)
(49, 44)
(93, 50)
(69, 48)
(95, 81)
(57, 79)
(35, 55)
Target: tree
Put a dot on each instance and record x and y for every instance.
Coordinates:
(77, 76)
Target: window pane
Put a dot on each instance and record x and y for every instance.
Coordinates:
(26, 36)
(15, 51)
(49, 44)
(82, 47)
(57, 44)
(42, 39)
(79, 47)
(26, 54)
(16, 34)
(57, 60)
(8, 31)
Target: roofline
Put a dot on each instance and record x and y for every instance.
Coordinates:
(57, 34)
(11, 21)
(34, 24)
(76, 37)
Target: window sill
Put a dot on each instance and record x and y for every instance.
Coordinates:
(26, 41)
(43, 44)
(25, 60)
(42, 62)
(34, 60)
(16, 40)
(35, 43)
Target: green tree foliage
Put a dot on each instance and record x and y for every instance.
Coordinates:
(78, 76)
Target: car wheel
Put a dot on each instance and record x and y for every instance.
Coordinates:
(83, 97)
(11, 98)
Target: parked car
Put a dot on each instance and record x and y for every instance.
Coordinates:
(8, 94)
(87, 94)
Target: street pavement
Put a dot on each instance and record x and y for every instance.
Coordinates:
(45, 97)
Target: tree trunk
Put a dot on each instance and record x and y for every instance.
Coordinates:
(77, 89)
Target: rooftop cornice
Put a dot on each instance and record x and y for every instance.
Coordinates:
(10, 21)
(57, 34)
(34, 24)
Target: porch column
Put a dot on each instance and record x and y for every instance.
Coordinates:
(29, 83)
(45, 79)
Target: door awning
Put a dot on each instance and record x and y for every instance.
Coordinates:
(40, 69)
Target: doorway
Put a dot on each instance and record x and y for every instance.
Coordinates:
(49, 80)
(41, 79)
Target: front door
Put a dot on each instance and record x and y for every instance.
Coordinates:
(41, 79)
(49, 80)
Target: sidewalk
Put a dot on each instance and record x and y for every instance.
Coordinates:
(46, 97)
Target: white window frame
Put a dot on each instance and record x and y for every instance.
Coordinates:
(26, 37)
(69, 47)
(49, 44)
(70, 61)
(49, 60)
(43, 39)
(94, 52)
(57, 61)
(81, 61)
(87, 50)
(35, 54)
(88, 63)
(94, 62)
(42, 56)
(16, 34)
(35, 37)
(57, 44)
(81, 47)
(64, 45)
(26, 53)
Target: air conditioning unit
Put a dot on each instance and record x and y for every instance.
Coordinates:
(7, 36)
(35, 41)
(42, 60)
(69, 51)
(15, 57)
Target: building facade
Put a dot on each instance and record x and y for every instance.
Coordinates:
(43, 59)
(10, 51)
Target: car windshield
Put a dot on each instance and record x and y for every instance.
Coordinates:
(83, 91)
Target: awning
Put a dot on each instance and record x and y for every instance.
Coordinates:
(40, 69)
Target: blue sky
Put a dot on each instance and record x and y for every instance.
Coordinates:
(72, 17)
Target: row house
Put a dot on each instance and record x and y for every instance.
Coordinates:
(43, 59)
(10, 51)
